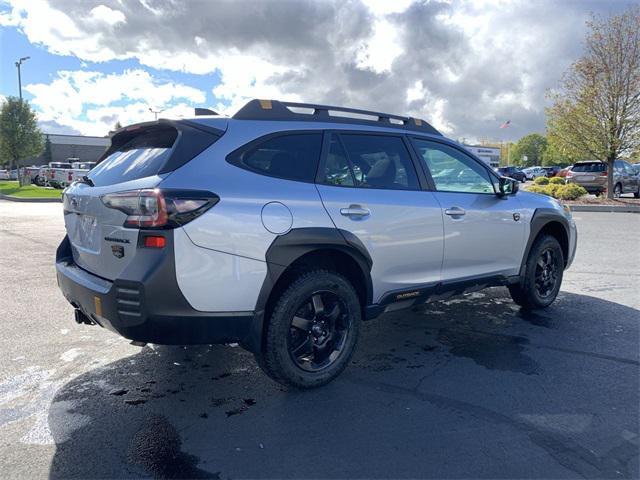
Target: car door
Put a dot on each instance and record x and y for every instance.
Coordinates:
(484, 234)
(370, 188)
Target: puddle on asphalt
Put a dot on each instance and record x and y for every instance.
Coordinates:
(495, 352)
(157, 448)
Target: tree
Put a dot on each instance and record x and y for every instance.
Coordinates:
(597, 108)
(532, 147)
(558, 153)
(117, 126)
(20, 136)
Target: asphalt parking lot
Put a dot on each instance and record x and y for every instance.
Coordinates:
(468, 388)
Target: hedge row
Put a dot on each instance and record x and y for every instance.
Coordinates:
(569, 191)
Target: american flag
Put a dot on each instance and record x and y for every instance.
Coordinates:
(506, 124)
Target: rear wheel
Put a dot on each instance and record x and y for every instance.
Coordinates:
(617, 190)
(543, 275)
(312, 331)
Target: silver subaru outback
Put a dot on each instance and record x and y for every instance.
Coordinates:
(287, 225)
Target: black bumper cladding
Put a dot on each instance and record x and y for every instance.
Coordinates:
(146, 303)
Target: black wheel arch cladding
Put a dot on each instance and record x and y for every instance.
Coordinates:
(547, 219)
(286, 249)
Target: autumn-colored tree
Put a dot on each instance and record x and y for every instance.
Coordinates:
(597, 108)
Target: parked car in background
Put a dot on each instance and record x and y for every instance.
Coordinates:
(33, 172)
(552, 171)
(592, 175)
(512, 172)
(534, 172)
(564, 172)
(4, 175)
(636, 168)
(54, 174)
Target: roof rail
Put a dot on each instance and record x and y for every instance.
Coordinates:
(278, 110)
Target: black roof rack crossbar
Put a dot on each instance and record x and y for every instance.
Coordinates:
(278, 110)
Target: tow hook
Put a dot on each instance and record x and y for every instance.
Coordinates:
(80, 318)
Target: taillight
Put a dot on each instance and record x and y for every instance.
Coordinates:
(603, 174)
(157, 208)
(569, 174)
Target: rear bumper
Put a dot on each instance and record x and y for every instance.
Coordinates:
(591, 187)
(146, 304)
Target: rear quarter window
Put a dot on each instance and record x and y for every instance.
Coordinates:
(291, 156)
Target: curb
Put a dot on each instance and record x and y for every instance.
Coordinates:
(30, 200)
(606, 208)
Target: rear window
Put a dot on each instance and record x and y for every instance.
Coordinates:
(289, 156)
(140, 156)
(589, 167)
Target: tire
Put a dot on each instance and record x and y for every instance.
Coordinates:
(540, 285)
(297, 351)
(636, 194)
(617, 190)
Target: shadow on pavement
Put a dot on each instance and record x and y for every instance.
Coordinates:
(471, 387)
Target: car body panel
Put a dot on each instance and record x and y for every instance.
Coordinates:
(402, 233)
(487, 239)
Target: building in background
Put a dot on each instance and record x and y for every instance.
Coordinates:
(489, 155)
(62, 147)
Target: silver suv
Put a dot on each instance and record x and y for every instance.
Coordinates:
(286, 225)
(592, 175)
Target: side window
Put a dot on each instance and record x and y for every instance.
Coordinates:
(337, 170)
(292, 157)
(378, 161)
(453, 171)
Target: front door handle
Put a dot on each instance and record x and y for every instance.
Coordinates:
(455, 211)
(355, 211)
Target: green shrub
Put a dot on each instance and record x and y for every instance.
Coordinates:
(541, 181)
(539, 189)
(570, 191)
(557, 181)
(552, 189)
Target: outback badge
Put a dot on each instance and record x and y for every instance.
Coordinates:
(117, 250)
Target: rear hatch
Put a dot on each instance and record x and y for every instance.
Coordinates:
(588, 173)
(103, 238)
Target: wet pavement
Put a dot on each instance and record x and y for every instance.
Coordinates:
(470, 387)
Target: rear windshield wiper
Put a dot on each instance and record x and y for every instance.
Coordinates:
(87, 180)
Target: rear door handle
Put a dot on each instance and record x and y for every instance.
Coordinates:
(455, 211)
(355, 211)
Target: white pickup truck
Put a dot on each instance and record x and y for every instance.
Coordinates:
(62, 174)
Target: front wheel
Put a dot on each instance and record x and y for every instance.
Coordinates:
(542, 278)
(312, 331)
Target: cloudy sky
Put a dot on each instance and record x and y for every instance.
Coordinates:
(465, 66)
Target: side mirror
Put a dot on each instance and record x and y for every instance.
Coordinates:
(508, 186)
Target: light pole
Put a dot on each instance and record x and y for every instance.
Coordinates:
(18, 63)
(155, 112)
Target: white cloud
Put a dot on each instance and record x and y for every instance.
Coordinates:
(91, 102)
(102, 13)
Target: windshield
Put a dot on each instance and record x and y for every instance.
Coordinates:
(141, 156)
(590, 167)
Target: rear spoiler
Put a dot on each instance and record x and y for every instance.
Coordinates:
(193, 138)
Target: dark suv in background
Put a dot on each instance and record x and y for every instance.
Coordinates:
(512, 172)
